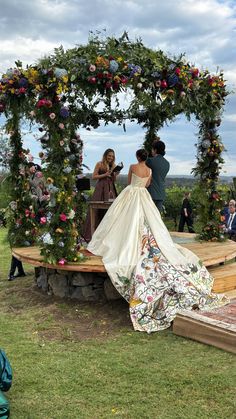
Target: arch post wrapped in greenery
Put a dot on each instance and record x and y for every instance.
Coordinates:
(81, 87)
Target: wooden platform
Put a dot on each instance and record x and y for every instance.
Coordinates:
(210, 253)
(216, 327)
(31, 255)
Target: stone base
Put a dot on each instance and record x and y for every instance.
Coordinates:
(83, 286)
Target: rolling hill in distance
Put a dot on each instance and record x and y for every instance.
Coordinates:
(184, 180)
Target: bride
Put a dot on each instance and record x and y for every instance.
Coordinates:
(156, 276)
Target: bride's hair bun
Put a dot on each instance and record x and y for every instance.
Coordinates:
(141, 154)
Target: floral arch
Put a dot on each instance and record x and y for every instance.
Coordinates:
(62, 93)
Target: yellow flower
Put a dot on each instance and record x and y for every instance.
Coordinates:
(134, 302)
(59, 89)
(59, 230)
(119, 59)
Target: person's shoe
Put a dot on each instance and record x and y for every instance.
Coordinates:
(11, 278)
(19, 275)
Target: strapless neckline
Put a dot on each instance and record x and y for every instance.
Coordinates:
(146, 177)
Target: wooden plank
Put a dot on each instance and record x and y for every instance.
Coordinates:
(213, 253)
(201, 331)
(32, 256)
(224, 277)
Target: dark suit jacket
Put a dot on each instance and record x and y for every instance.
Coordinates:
(160, 167)
(233, 225)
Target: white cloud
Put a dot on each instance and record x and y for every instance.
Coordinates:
(203, 29)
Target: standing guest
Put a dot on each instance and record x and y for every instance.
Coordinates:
(160, 167)
(16, 264)
(186, 214)
(105, 189)
(230, 222)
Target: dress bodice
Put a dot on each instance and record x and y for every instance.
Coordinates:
(137, 181)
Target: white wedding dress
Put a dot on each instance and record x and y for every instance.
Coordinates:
(156, 276)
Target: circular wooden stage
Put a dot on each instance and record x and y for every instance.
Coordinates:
(211, 253)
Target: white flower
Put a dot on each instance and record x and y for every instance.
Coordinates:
(13, 205)
(71, 214)
(47, 238)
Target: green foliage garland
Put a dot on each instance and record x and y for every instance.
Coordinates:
(62, 93)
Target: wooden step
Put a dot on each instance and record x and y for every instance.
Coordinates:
(212, 331)
(224, 277)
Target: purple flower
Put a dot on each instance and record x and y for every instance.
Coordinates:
(64, 112)
(23, 82)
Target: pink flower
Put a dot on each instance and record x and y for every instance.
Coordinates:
(61, 125)
(44, 102)
(124, 80)
(52, 115)
(22, 90)
(63, 217)
(43, 220)
(163, 84)
(140, 279)
(92, 80)
(39, 174)
(62, 261)
(27, 213)
(92, 68)
(149, 298)
(177, 71)
(30, 157)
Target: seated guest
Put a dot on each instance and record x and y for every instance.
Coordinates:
(230, 221)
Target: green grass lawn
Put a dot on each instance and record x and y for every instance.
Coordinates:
(125, 374)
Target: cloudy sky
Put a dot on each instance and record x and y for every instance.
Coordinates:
(205, 30)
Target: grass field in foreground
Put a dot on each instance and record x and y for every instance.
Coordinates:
(126, 374)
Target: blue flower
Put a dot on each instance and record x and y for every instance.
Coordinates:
(64, 112)
(113, 66)
(172, 80)
(156, 74)
(60, 73)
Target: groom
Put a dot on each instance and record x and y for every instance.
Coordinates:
(160, 167)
